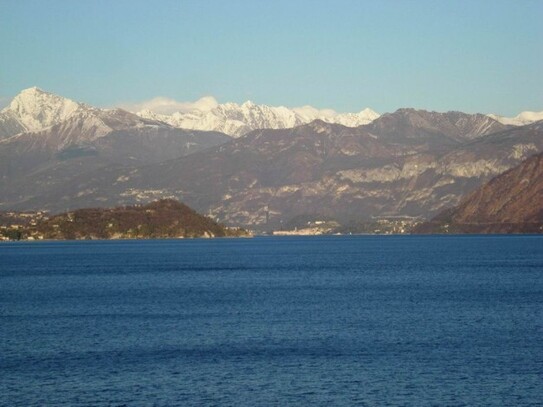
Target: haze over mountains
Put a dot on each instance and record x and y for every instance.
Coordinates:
(58, 154)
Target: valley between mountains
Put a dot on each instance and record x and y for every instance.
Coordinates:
(275, 164)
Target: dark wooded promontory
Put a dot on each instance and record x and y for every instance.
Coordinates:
(162, 219)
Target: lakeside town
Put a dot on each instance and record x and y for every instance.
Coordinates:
(21, 225)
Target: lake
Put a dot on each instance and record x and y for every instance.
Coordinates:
(339, 320)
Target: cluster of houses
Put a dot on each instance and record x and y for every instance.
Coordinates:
(21, 225)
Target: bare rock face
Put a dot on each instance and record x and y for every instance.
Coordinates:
(509, 203)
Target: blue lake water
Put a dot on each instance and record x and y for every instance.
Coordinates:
(360, 320)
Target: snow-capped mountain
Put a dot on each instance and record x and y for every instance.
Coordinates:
(34, 109)
(237, 120)
(521, 119)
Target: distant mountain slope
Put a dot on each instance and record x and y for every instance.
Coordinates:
(432, 129)
(268, 177)
(509, 203)
(238, 120)
(94, 129)
(163, 219)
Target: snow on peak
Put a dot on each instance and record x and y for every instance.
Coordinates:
(521, 119)
(32, 89)
(369, 114)
(237, 120)
(36, 109)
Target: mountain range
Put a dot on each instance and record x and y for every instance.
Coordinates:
(57, 154)
(34, 109)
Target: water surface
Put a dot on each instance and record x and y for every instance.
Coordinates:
(273, 321)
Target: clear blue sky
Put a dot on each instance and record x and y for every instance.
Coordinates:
(473, 56)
